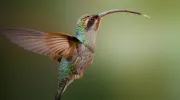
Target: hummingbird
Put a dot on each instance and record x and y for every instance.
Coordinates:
(73, 53)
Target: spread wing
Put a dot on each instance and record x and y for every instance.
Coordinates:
(54, 45)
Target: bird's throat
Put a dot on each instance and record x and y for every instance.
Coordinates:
(88, 38)
(91, 36)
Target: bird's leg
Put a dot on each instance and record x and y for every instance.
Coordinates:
(78, 76)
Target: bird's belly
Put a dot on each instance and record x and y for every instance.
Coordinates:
(83, 62)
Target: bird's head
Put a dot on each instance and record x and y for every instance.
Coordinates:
(92, 22)
(86, 29)
(88, 25)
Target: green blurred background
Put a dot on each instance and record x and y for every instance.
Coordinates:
(136, 58)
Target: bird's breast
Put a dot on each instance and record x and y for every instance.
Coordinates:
(84, 59)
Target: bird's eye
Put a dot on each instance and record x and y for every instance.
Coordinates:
(92, 18)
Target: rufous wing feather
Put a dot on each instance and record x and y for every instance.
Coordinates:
(54, 45)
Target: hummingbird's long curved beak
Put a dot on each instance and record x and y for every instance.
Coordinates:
(118, 10)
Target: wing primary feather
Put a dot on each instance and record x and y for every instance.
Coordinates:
(54, 45)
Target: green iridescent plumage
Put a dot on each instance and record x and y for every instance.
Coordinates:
(81, 31)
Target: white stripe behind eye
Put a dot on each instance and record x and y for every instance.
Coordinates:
(94, 25)
(86, 22)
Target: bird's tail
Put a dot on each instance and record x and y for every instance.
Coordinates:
(62, 88)
(59, 92)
